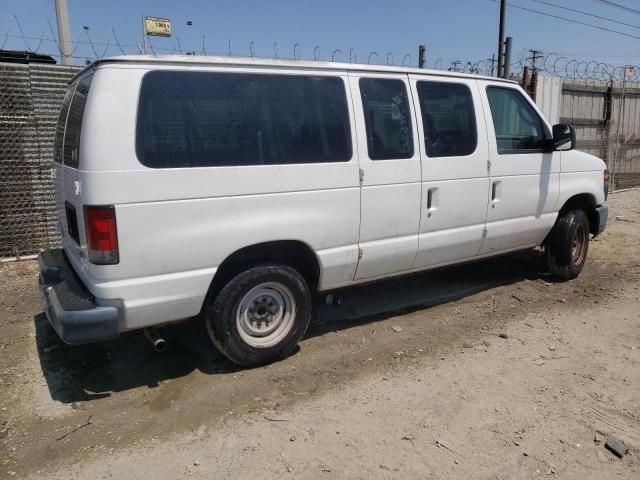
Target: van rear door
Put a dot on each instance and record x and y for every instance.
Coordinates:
(57, 171)
(67, 165)
(390, 174)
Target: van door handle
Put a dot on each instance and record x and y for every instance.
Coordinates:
(495, 186)
(431, 196)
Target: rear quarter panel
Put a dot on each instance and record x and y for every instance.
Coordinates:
(175, 226)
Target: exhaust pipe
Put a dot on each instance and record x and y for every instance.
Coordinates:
(159, 344)
(332, 299)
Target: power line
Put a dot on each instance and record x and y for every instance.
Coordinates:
(573, 21)
(621, 7)
(586, 13)
(599, 54)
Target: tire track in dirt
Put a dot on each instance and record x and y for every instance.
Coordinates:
(135, 396)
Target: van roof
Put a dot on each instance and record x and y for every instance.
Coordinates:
(270, 62)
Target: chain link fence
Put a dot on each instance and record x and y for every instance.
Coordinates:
(625, 132)
(606, 117)
(606, 114)
(30, 99)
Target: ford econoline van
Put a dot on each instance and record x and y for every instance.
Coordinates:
(234, 189)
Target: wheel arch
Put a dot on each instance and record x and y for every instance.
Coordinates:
(294, 253)
(582, 201)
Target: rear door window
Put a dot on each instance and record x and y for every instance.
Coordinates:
(62, 121)
(387, 118)
(448, 119)
(201, 119)
(71, 143)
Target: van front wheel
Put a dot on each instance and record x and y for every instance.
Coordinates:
(567, 245)
(260, 315)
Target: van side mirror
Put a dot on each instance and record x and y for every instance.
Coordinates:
(564, 137)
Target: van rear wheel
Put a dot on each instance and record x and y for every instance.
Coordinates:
(567, 246)
(260, 315)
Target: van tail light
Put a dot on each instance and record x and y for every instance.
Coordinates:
(102, 234)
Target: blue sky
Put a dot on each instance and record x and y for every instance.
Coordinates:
(463, 30)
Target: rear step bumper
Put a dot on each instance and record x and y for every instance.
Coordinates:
(69, 306)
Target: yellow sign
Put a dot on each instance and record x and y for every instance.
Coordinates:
(629, 71)
(159, 27)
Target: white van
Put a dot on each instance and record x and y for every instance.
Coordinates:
(236, 188)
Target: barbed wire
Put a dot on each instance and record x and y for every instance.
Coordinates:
(114, 45)
(545, 62)
(93, 49)
(571, 68)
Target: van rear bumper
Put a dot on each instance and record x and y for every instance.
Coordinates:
(69, 306)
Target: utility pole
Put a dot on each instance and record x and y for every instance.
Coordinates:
(144, 35)
(64, 33)
(492, 62)
(535, 55)
(506, 68)
(421, 55)
(503, 15)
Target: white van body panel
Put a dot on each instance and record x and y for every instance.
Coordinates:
(362, 219)
(526, 188)
(390, 201)
(452, 227)
(581, 173)
(158, 210)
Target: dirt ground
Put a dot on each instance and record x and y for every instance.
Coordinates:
(486, 371)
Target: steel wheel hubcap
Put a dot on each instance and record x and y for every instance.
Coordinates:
(578, 244)
(266, 315)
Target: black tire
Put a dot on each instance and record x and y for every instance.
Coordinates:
(224, 324)
(567, 245)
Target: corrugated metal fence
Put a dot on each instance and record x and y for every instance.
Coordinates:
(30, 99)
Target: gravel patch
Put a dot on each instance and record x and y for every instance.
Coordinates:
(624, 204)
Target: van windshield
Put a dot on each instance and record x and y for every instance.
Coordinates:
(67, 142)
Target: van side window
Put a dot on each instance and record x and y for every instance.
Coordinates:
(448, 119)
(518, 127)
(71, 144)
(201, 119)
(62, 120)
(387, 118)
